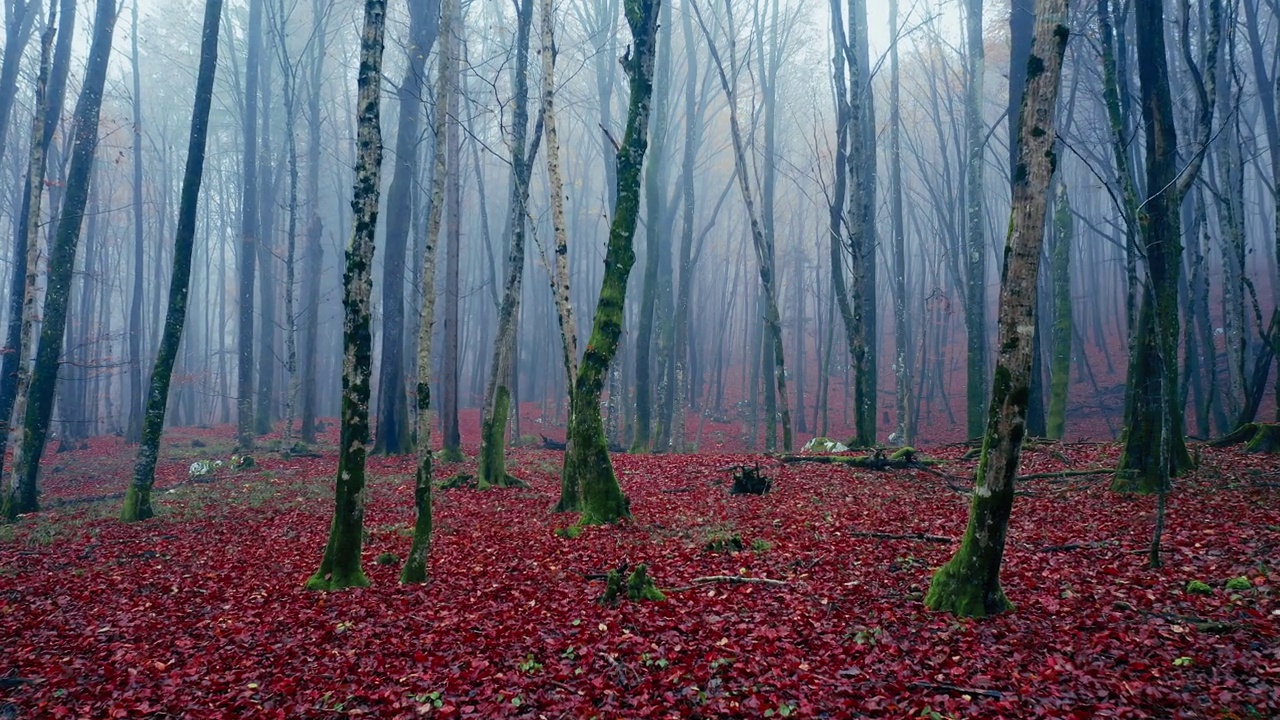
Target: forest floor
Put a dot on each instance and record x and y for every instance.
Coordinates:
(201, 612)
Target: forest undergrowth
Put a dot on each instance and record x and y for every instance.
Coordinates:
(201, 612)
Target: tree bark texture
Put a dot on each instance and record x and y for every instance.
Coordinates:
(340, 567)
(969, 583)
(44, 376)
(588, 482)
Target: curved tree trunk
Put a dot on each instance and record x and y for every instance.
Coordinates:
(137, 500)
(492, 461)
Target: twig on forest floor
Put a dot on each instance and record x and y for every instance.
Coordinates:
(562, 686)
(904, 536)
(1065, 474)
(677, 491)
(727, 579)
(957, 689)
(1078, 546)
(1209, 626)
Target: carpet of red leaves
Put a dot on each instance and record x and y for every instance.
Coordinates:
(200, 612)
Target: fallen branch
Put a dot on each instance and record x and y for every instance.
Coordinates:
(1210, 626)
(1066, 474)
(903, 536)
(876, 461)
(677, 491)
(1077, 546)
(727, 579)
(957, 689)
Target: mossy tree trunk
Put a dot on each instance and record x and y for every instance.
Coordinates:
(415, 565)
(494, 434)
(44, 375)
(588, 483)
(969, 583)
(1060, 271)
(340, 567)
(1155, 447)
(137, 500)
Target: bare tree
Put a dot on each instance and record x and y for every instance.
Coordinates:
(588, 482)
(137, 500)
(969, 583)
(340, 567)
(40, 393)
(415, 566)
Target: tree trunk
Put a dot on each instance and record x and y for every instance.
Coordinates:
(9, 497)
(340, 567)
(13, 346)
(901, 367)
(19, 22)
(39, 403)
(1060, 272)
(133, 428)
(492, 461)
(392, 431)
(415, 566)
(560, 277)
(1155, 447)
(975, 312)
(764, 250)
(248, 232)
(588, 482)
(969, 583)
(315, 231)
(452, 438)
(137, 500)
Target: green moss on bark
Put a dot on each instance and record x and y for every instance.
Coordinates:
(1265, 440)
(635, 587)
(137, 504)
(493, 448)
